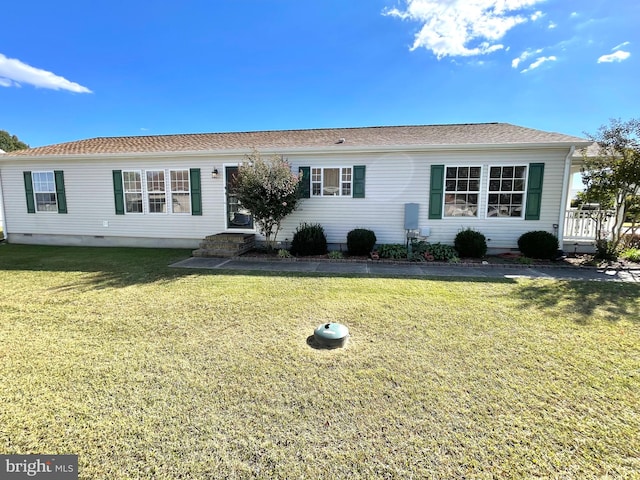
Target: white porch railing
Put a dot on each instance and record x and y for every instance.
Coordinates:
(580, 225)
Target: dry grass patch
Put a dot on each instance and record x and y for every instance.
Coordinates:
(148, 372)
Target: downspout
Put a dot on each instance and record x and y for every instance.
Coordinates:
(4, 213)
(566, 181)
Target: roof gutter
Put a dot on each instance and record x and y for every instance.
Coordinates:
(325, 150)
(4, 213)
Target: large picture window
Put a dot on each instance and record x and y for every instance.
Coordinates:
(44, 189)
(506, 191)
(331, 182)
(462, 185)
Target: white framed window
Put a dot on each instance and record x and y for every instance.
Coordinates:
(461, 191)
(44, 189)
(132, 183)
(331, 182)
(180, 191)
(156, 191)
(506, 191)
(149, 191)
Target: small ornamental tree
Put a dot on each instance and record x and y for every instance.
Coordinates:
(269, 190)
(612, 178)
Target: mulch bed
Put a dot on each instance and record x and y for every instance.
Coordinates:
(577, 260)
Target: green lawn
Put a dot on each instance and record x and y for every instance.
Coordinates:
(150, 372)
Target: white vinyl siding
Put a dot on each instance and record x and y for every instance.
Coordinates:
(392, 179)
(396, 179)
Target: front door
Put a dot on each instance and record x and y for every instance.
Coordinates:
(237, 216)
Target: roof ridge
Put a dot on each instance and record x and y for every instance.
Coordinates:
(315, 129)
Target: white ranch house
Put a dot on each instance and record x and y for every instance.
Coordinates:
(172, 190)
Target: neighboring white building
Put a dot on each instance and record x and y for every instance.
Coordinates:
(171, 190)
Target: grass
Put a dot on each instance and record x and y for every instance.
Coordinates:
(150, 372)
(632, 254)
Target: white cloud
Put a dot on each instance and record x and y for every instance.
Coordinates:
(462, 27)
(536, 15)
(539, 61)
(523, 56)
(5, 82)
(552, 25)
(617, 56)
(13, 73)
(623, 44)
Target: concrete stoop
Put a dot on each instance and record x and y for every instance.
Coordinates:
(226, 245)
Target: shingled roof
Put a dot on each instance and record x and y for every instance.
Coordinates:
(499, 134)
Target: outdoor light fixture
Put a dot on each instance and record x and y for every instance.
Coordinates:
(214, 174)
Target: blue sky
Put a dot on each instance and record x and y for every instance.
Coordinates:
(73, 69)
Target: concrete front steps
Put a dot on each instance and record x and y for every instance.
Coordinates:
(225, 245)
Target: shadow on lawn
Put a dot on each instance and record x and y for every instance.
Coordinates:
(575, 298)
(104, 267)
(101, 267)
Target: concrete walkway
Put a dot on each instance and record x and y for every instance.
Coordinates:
(425, 270)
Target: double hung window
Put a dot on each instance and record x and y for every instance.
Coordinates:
(148, 191)
(44, 189)
(506, 191)
(331, 182)
(462, 187)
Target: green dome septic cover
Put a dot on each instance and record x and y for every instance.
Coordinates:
(331, 335)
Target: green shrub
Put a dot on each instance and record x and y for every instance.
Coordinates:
(392, 250)
(442, 253)
(538, 244)
(335, 255)
(631, 254)
(420, 252)
(360, 241)
(470, 243)
(282, 253)
(309, 239)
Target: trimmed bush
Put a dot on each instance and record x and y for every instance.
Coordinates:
(538, 244)
(470, 243)
(360, 241)
(309, 239)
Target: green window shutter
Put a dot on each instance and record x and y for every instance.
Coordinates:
(304, 187)
(359, 174)
(60, 193)
(436, 192)
(534, 191)
(196, 191)
(118, 192)
(28, 189)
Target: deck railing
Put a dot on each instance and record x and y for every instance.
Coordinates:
(582, 224)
